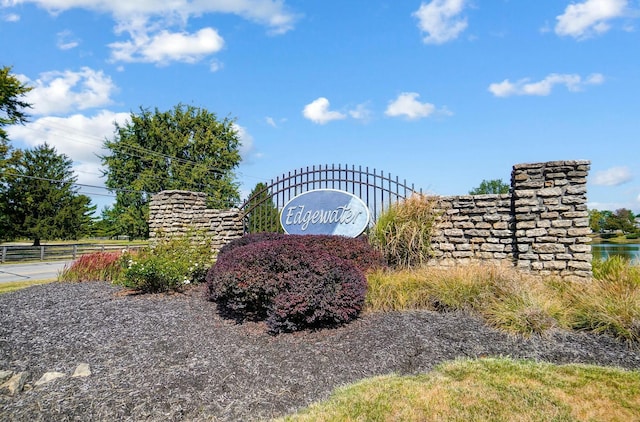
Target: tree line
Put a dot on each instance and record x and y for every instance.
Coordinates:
(619, 221)
(186, 148)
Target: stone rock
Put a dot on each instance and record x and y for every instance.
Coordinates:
(5, 375)
(48, 377)
(83, 370)
(15, 384)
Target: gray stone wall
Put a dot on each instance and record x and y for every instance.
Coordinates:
(175, 213)
(473, 227)
(541, 226)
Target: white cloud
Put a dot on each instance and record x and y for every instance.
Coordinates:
(11, 17)
(61, 92)
(246, 141)
(270, 121)
(407, 105)
(439, 20)
(524, 86)
(156, 29)
(318, 112)
(215, 65)
(164, 47)
(78, 136)
(612, 177)
(361, 112)
(589, 18)
(271, 13)
(66, 40)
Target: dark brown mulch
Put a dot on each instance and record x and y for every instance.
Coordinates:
(171, 357)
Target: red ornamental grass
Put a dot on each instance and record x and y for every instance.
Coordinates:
(95, 266)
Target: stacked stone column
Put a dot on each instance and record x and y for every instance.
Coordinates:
(551, 218)
(176, 213)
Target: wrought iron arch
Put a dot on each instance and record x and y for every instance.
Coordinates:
(377, 189)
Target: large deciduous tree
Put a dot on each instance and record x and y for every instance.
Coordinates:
(185, 148)
(40, 200)
(12, 107)
(490, 187)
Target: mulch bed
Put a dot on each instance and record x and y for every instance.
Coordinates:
(172, 357)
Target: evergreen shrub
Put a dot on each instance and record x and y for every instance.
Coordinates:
(290, 284)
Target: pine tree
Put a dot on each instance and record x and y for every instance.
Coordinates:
(39, 200)
(262, 215)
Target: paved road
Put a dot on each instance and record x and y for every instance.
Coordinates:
(31, 271)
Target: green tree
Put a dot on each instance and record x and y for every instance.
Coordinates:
(622, 219)
(40, 200)
(596, 220)
(263, 215)
(490, 186)
(12, 107)
(185, 148)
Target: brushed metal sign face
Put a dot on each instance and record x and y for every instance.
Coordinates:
(325, 211)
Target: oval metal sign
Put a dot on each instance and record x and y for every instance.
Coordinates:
(325, 211)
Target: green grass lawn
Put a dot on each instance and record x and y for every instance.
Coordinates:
(487, 390)
(11, 286)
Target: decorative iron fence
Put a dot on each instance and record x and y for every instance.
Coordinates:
(377, 189)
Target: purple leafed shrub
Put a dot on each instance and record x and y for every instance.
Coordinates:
(248, 239)
(289, 284)
(356, 250)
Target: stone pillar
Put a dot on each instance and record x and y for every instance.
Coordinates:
(551, 218)
(176, 212)
(173, 212)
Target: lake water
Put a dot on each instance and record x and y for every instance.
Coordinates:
(605, 250)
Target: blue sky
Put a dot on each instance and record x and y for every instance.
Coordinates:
(442, 93)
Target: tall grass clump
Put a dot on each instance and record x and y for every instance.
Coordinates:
(505, 298)
(403, 232)
(516, 302)
(97, 266)
(610, 304)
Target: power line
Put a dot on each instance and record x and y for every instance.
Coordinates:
(46, 179)
(139, 148)
(89, 186)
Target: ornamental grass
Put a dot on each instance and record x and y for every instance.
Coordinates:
(518, 303)
(103, 266)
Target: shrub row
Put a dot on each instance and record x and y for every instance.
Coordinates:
(292, 282)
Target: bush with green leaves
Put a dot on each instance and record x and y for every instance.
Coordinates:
(171, 264)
